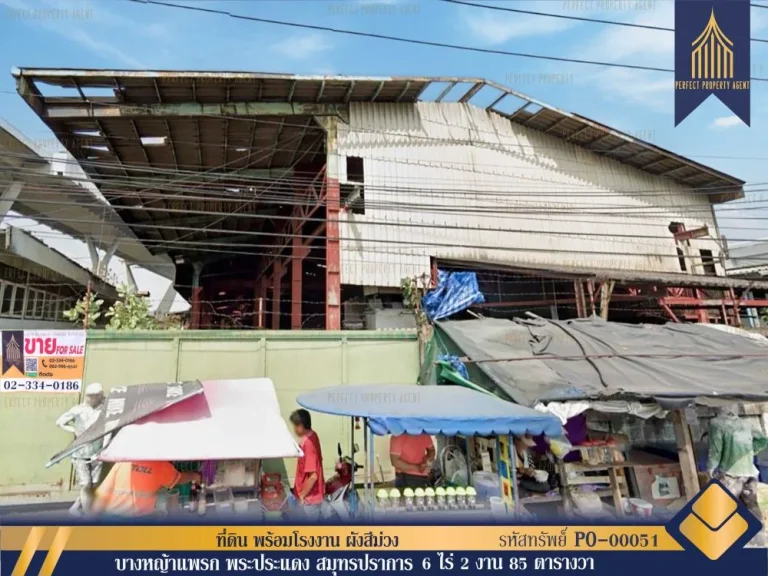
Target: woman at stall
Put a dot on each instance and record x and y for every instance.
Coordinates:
(412, 458)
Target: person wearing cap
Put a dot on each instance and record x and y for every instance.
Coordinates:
(88, 469)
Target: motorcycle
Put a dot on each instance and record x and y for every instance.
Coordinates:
(339, 489)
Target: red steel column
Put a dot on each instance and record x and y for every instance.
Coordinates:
(298, 253)
(276, 281)
(196, 296)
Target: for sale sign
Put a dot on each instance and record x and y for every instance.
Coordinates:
(42, 360)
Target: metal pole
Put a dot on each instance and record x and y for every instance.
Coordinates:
(371, 466)
(513, 461)
(353, 492)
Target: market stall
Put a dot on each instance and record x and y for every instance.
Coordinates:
(629, 397)
(445, 411)
(225, 433)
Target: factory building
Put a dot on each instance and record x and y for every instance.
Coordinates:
(295, 202)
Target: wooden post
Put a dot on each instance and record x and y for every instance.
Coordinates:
(578, 291)
(616, 492)
(686, 455)
(606, 290)
(591, 288)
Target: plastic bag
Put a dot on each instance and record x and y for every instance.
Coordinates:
(560, 447)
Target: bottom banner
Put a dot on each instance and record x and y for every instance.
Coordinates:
(746, 562)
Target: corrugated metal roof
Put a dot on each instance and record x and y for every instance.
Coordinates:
(621, 276)
(242, 128)
(177, 87)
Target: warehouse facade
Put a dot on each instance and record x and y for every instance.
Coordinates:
(301, 202)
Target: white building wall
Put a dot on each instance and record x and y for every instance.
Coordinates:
(503, 184)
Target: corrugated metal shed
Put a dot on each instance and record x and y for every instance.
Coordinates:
(451, 180)
(243, 130)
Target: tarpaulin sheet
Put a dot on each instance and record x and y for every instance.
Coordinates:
(450, 410)
(705, 364)
(231, 420)
(455, 291)
(127, 404)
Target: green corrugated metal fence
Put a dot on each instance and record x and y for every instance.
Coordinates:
(295, 361)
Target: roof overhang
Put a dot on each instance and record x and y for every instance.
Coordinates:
(672, 279)
(24, 252)
(171, 94)
(66, 205)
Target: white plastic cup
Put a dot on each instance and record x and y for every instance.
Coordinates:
(641, 508)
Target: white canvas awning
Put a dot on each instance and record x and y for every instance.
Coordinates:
(231, 420)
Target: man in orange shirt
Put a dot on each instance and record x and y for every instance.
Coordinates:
(131, 488)
(412, 458)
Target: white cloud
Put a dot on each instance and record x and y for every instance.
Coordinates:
(302, 47)
(634, 87)
(497, 27)
(102, 48)
(82, 14)
(642, 45)
(637, 46)
(726, 122)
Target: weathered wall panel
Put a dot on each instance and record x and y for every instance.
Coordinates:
(504, 184)
(296, 362)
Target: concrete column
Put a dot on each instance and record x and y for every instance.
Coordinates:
(9, 196)
(197, 293)
(104, 264)
(94, 254)
(130, 279)
(276, 281)
(164, 308)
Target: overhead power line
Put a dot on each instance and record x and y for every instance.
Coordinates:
(577, 18)
(409, 40)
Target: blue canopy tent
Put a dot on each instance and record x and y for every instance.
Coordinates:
(433, 410)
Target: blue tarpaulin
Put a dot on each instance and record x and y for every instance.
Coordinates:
(455, 363)
(449, 410)
(455, 291)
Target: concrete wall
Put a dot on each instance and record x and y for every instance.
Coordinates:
(295, 361)
(455, 181)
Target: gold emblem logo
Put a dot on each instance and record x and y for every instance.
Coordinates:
(712, 54)
(714, 523)
(12, 351)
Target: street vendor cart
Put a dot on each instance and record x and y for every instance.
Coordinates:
(447, 411)
(225, 433)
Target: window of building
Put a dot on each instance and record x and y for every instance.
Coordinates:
(353, 192)
(18, 302)
(30, 308)
(49, 312)
(7, 298)
(681, 260)
(40, 304)
(708, 261)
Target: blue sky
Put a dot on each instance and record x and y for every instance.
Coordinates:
(119, 34)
